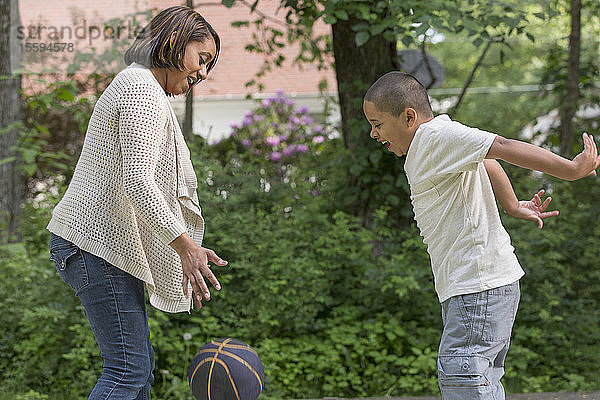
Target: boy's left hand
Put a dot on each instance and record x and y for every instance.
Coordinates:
(534, 209)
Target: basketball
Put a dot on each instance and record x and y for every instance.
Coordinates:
(226, 369)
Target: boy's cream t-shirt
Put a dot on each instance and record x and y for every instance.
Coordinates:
(456, 210)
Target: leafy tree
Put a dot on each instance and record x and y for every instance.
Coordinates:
(363, 45)
(571, 65)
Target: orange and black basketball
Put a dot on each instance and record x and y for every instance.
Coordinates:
(226, 369)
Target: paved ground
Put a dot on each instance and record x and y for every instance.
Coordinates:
(526, 396)
(555, 396)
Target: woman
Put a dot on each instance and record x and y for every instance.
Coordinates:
(130, 217)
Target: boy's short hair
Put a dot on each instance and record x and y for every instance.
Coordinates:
(396, 91)
(161, 43)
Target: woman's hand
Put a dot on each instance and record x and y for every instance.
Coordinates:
(534, 209)
(194, 262)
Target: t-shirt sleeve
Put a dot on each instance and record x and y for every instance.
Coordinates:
(142, 131)
(455, 148)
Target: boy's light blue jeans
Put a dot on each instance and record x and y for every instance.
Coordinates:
(116, 309)
(477, 329)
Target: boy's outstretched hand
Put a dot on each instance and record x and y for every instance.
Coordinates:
(588, 160)
(534, 209)
(536, 158)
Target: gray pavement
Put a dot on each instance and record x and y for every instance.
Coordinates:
(522, 396)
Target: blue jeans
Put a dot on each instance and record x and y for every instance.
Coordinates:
(477, 329)
(116, 309)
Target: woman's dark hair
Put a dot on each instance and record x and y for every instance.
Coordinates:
(161, 43)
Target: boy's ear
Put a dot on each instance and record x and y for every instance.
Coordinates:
(411, 117)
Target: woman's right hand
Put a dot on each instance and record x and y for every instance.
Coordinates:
(194, 262)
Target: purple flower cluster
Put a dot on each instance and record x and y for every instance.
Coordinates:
(273, 140)
(247, 121)
(277, 130)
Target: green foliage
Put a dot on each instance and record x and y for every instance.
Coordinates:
(46, 340)
(335, 307)
(404, 21)
(559, 312)
(53, 116)
(407, 20)
(375, 179)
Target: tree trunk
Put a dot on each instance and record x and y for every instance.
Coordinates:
(569, 105)
(357, 68)
(11, 180)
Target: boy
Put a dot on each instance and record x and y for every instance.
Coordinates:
(454, 181)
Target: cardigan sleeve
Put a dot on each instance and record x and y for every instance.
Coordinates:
(142, 132)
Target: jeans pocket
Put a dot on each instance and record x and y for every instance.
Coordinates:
(500, 314)
(463, 372)
(69, 263)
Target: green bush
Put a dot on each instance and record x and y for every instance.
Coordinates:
(45, 338)
(333, 307)
(555, 339)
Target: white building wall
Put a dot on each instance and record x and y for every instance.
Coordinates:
(213, 115)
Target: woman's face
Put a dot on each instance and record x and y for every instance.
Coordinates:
(197, 56)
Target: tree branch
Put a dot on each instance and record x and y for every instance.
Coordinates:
(247, 4)
(263, 15)
(475, 68)
(428, 65)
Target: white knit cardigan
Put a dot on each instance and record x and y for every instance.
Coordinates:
(134, 189)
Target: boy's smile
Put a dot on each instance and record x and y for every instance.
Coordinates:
(397, 132)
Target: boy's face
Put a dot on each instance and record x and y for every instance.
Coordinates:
(396, 132)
